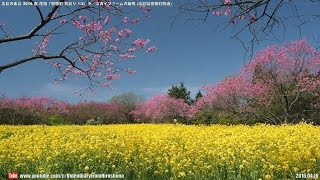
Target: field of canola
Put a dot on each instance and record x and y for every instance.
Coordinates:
(163, 151)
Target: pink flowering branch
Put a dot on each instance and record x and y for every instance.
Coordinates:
(106, 42)
(260, 18)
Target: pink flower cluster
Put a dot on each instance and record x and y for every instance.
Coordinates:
(124, 33)
(126, 56)
(227, 2)
(274, 72)
(234, 92)
(98, 62)
(151, 49)
(160, 107)
(140, 42)
(41, 47)
(287, 61)
(228, 12)
(35, 104)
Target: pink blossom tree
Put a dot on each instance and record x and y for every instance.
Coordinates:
(292, 73)
(281, 84)
(98, 40)
(162, 108)
(35, 107)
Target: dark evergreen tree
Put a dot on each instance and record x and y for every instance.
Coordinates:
(198, 95)
(180, 92)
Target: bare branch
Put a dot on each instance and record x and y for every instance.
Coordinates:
(35, 30)
(24, 60)
(39, 11)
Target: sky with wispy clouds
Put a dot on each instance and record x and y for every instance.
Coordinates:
(193, 53)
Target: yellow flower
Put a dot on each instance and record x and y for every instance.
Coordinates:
(49, 158)
(181, 174)
(86, 168)
(172, 149)
(267, 177)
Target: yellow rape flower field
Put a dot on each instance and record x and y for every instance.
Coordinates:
(144, 151)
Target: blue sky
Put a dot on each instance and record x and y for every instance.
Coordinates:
(192, 53)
